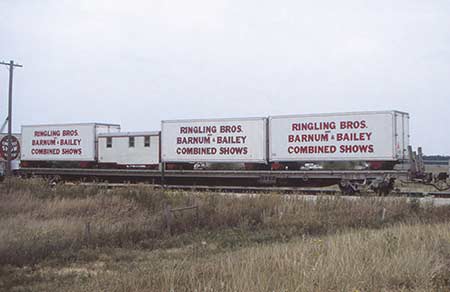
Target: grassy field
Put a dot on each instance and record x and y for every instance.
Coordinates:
(77, 238)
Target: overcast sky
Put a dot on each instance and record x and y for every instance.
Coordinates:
(137, 62)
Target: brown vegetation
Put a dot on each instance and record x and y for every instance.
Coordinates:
(47, 232)
(401, 258)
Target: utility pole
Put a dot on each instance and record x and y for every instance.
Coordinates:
(11, 71)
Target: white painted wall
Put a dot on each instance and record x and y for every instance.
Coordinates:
(122, 154)
(380, 135)
(214, 140)
(62, 142)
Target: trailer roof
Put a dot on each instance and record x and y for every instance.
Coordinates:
(74, 124)
(340, 113)
(215, 120)
(129, 134)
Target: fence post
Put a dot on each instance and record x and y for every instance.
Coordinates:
(197, 218)
(167, 215)
(163, 175)
(87, 232)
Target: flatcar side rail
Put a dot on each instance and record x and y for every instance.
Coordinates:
(315, 174)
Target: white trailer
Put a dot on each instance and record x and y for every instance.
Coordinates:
(239, 140)
(356, 136)
(129, 149)
(63, 142)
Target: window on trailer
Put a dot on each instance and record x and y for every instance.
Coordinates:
(108, 142)
(131, 142)
(146, 141)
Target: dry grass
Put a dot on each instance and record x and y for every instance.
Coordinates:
(401, 258)
(73, 236)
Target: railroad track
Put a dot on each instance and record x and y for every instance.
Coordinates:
(275, 190)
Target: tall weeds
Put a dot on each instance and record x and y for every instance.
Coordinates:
(400, 258)
(38, 221)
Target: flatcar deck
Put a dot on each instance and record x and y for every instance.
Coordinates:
(300, 174)
(215, 177)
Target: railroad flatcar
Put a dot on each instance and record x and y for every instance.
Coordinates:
(294, 150)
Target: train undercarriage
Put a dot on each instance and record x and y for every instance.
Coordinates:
(350, 182)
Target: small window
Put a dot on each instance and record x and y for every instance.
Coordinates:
(108, 142)
(146, 141)
(131, 142)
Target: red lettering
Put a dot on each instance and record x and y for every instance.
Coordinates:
(313, 126)
(70, 132)
(233, 151)
(196, 151)
(231, 129)
(198, 130)
(353, 124)
(311, 149)
(356, 149)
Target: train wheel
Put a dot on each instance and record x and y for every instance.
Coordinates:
(349, 188)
